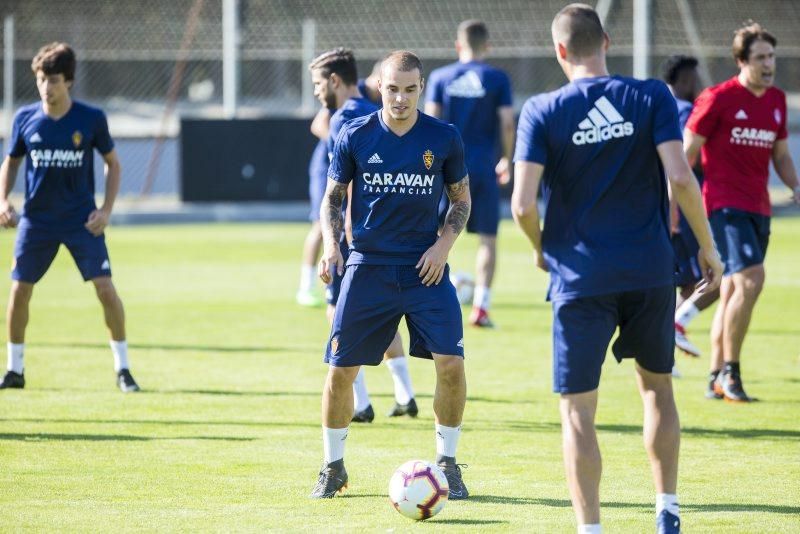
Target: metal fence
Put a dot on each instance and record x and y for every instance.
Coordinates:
(149, 62)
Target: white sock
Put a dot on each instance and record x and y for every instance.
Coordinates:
(686, 312)
(120, 350)
(308, 273)
(668, 502)
(403, 392)
(333, 443)
(447, 440)
(594, 528)
(360, 392)
(15, 354)
(482, 298)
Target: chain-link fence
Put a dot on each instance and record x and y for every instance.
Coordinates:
(149, 62)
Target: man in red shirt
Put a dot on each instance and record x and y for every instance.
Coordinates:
(738, 126)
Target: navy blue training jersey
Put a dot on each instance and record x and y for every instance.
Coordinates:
(684, 110)
(59, 167)
(606, 224)
(470, 95)
(351, 109)
(397, 183)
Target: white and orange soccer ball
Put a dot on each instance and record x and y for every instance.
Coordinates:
(465, 287)
(418, 489)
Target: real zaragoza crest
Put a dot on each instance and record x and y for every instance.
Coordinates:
(76, 139)
(427, 158)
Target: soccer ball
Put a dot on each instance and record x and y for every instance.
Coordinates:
(418, 489)
(465, 287)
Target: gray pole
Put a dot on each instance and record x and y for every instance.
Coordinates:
(8, 75)
(231, 39)
(309, 44)
(641, 38)
(603, 8)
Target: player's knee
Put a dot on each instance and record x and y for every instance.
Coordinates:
(340, 379)
(106, 292)
(21, 292)
(450, 369)
(752, 281)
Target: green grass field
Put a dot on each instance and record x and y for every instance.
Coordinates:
(225, 435)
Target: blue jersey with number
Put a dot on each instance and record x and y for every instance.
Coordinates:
(59, 166)
(606, 225)
(470, 95)
(397, 183)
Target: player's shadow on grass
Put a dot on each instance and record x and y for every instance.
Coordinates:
(743, 507)
(169, 422)
(737, 433)
(38, 437)
(168, 347)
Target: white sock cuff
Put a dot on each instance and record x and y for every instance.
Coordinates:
(593, 528)
(668, 502)
(15, 357)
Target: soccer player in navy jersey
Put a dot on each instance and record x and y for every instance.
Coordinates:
(476, 98)
(739, 127)
(57, 136)
(334, 76)
(600, 147)
(398, 161)
(679, 72)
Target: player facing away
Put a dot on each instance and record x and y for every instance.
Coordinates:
(398, 161)
(334, 75)
(681, 76)
(56, 136)
(739, 126)
(317, 179)
(476, 98)
(597, 146)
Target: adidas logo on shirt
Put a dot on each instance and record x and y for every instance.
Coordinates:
(375, 158)
(602, 123)
(741, 115)
(468, 85)
(36, 138)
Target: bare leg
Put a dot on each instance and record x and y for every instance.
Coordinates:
(337, 397)
(662, 432)
(582, 459)
(486, 260)
(717, 327)
(747, 287)
(395, 349)
(312, 244)
(17, 311)
(451, 390)
(113, 310)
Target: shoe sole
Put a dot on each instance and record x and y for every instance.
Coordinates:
(739, 401)
(689, 352)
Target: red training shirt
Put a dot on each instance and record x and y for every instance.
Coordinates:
(740, 129)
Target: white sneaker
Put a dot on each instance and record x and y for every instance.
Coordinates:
(683, 343)
(308, 298)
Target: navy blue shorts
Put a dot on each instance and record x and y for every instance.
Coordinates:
(484, 217)
(687, 268)
(333, 289)
(36, 248)
(741, 237)
(374, 298)
(583, 327)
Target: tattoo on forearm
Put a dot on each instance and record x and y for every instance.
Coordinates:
(459, 210)
(332, 219)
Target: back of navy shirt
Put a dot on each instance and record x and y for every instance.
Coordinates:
(606, 223)
(470, 95)
(59, 167)
(397, 183)
(351, 109)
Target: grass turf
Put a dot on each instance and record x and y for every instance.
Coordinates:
(225, 435)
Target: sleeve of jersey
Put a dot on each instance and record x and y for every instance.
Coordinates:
(505, 91)
(531, 135)
(334, 127)
(666, 125)
(454, 168)
(102, 137)
(16, 143)
(782, 131)
(342, 165)
(433, 93)
(703, 120)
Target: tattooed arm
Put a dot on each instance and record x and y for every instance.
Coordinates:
(431, 265)
(332, 223)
